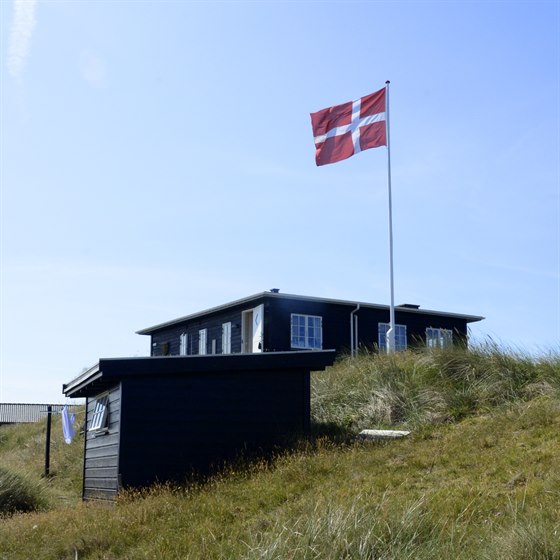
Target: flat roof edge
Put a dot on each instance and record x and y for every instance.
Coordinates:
(110, 371)
(192, 316)
(81, 381)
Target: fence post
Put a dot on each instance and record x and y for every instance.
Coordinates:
(48, 442)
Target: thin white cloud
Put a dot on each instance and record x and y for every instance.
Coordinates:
(20, 39)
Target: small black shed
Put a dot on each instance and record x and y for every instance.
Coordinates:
(162, 418)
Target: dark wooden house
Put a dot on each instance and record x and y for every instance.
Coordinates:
(273, 322)
(162, 418)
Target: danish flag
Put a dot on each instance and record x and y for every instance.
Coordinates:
(347, 129)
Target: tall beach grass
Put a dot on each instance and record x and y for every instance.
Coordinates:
(425, 387)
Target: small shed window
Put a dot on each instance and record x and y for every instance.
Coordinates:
(438, 338)
(100, 413)
(307, 331)
(400, 337)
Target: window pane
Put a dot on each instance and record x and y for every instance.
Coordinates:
(400, 336)
(305, 331)
(438, 338)
(99, 416)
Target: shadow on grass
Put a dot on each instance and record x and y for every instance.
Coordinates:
(332, 432)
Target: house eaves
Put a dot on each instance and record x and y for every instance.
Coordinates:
(406, 308)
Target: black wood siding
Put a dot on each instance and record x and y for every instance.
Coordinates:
(101, 458)
(173, 426)
(213, 323)
(336, 323)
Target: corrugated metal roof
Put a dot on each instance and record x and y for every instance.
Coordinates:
(22, 413)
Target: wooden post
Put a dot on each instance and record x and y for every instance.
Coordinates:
(48, 442)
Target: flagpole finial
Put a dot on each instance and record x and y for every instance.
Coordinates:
(387, 81)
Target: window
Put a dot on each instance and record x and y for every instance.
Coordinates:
(307, 331)
(438, 338)
(400, 337)
(99, 416)
(202, 335)
(226, 338)
(183, 344)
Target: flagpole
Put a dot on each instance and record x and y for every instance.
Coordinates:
(391, 332)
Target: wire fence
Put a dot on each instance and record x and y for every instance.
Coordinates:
(22, 413)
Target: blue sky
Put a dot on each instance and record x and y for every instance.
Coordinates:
(158, 159)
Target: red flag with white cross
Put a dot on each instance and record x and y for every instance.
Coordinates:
(347, 129)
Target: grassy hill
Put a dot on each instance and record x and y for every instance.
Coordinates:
(477, 478)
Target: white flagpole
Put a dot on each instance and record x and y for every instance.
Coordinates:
(390, 341)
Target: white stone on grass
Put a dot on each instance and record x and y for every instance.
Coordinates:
(373, 435)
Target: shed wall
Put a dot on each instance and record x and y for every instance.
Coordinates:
(178, 425)
(101, 458)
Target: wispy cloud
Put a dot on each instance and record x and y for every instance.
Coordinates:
(20, 38)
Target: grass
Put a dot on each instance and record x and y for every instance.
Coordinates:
(17, 494)
(478, 477)
(22, 454)
(414, 389)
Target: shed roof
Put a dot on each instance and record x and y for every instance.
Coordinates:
(405, 308)
(110, 371)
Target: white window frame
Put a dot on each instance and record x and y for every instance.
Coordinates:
(226, 338)
(183, 344)
(202, 342)
(400, 337)
(439, 338)
(100, 414)
(306, 331)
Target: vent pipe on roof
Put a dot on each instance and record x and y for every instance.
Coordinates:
(274, 290)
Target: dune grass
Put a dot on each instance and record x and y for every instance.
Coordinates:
(22, 455)
(423, 387)
(18, 494)
(477, 478)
